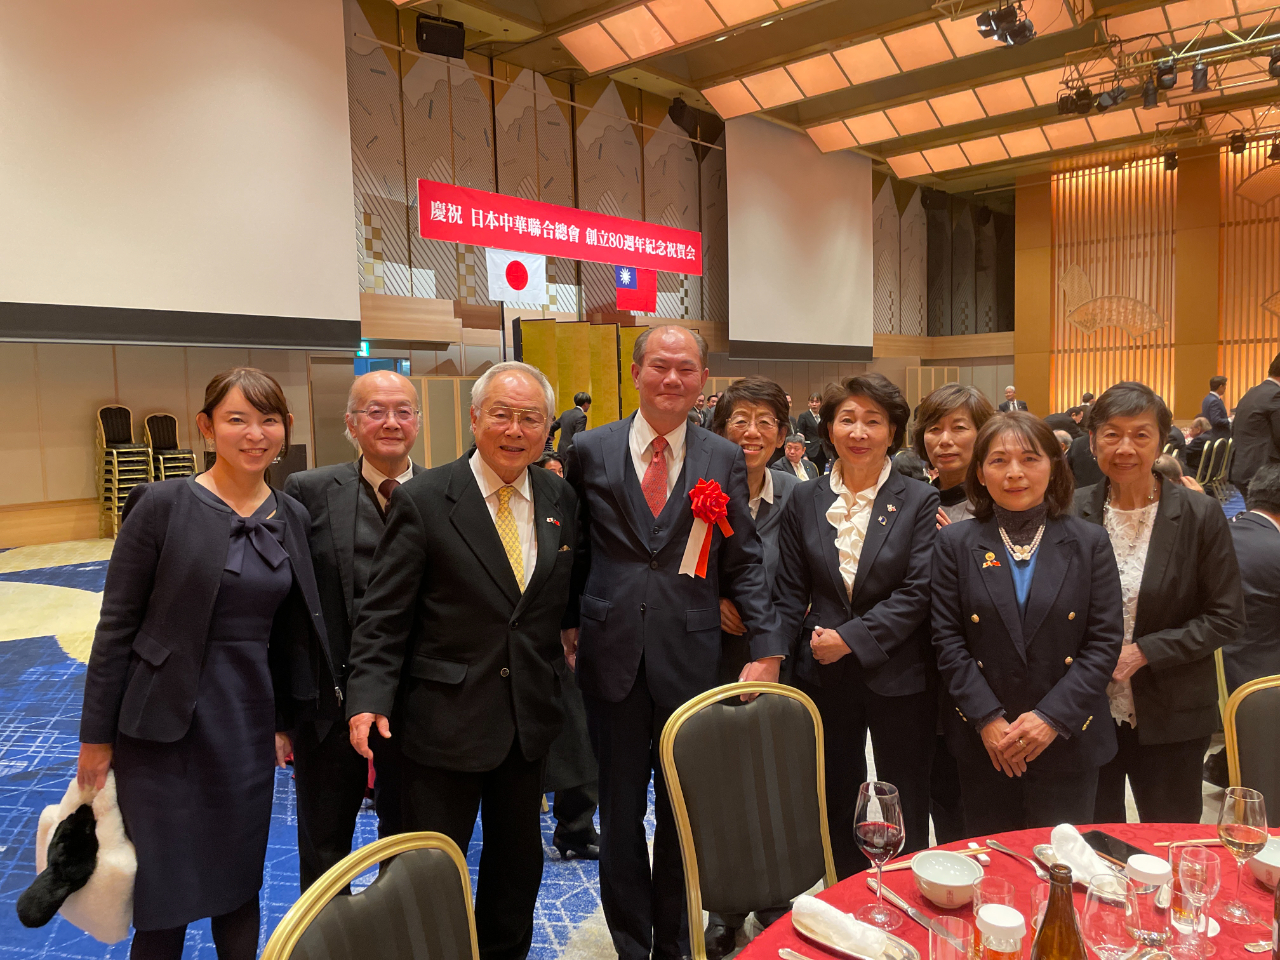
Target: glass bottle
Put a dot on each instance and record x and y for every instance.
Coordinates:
(1058, 937)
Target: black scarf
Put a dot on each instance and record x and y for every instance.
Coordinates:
(1021, 526)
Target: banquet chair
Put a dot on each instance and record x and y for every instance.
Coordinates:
(168, 459)
(749, 796)
(1250, 722)
(1209, 461)
(419, 907)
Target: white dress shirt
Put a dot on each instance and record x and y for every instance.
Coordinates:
(521, 507)
(376, 476)
(850, 513)
(766, 494)
(641, 442)
(798, 468)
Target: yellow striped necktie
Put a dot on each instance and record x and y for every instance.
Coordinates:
(505, 521)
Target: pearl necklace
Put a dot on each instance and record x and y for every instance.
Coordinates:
(1022, 553)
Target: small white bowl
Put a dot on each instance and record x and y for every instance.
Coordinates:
(945, 878)
(1266, 865)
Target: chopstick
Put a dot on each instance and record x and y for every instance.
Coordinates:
(906, 864)
(1207, 842)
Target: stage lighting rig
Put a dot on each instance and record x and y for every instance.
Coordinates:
(1166, 75)
(1007, 24)
(1149, 99)
(1274, 155)
(1084, 100)
(1171, 160)
(1200, 77)
(1273, 65)
(1110, 98)
(1238, 143)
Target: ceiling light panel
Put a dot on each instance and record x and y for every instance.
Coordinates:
(731, 99)
(957, 108)
(912, 117)
(831, 136)
(593, 48)
(945, 158)
(963, 36)
(1187, 12)
(908, 165)
(773, 88)
(985, 150)
(1111, 126)
(818, 75)
(1005, 96)
(918, 47)
(740, 11)
(637, 32)
(1045, 87)
(871, 128)
(1022, 143)
(686, 20)
(1070, 133)
(866, 61)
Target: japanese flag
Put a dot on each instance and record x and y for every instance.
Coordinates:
(517, 277)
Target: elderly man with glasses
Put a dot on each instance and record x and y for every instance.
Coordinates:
(347, 503)
(456, 650)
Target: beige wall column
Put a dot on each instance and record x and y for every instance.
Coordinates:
(1033, 295)
(1196, 281)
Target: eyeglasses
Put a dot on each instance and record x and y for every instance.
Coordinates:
(739, 422)
(379, 414)
(505, 416)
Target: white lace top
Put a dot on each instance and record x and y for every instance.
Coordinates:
(850, 513)
(1130, 533)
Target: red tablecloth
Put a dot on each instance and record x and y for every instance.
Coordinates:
(850, 894)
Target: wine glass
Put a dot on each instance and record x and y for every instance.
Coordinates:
(1197, 875)
(1242, 828)
(1103, 921)
(879, 833)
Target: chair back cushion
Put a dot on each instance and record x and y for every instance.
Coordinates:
(1257, 719)
(164, 431)
(749, 777)
(415, 910)
(117, 424)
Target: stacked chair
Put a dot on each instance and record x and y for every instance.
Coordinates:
(168, 460)
(123, 465)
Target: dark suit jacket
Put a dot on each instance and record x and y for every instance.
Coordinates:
(165, 572)
(1177, 443)
(330, 496)
(1257, 651)
(1215, 411)
(1257, 431)
(1189, 604)
(1015, 404)
(1195, 449)
(1057, 659)
(784, 466)
(807, 425)
(445, 619)
(633, 601)
(1084, 465)
(1063, 421)
(886, 625)
(572, 422)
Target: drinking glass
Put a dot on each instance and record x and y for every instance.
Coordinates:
(879, 833)
(1242, 828)
(990, 889)
(1197, 873)
(1103, 922)
(1147, 916)
(1039, 903)
(950, 938)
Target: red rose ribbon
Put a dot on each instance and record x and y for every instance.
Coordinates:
(710, 506)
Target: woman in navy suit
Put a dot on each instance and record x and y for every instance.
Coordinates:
(210, 637)
(1027, 624)
(853, 587)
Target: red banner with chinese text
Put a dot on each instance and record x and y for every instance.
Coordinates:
(463, 215)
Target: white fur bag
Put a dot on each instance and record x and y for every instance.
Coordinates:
(103, 907)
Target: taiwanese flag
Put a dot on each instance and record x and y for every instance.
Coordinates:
(636, 289)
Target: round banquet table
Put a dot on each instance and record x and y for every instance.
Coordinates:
(850, 894)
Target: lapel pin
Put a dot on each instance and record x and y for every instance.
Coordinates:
(991, 561)
(553, 520)
(892, 508)
(881, 519)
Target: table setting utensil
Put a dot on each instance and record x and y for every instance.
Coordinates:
(1041, 872)
(881, 890)
(879, 832)
(1242, 828)
(1205, 842)
(786, 953)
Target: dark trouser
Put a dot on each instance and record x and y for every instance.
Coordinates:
(510, 798)
(1165, 778)
(1041, 797)
(575, 809)
(235, 935)
(903, 730)
(645, 909)
(331, 780)
(945, 804)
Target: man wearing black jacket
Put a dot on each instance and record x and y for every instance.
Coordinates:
(572, 422)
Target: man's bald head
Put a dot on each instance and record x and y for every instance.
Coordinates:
(383, 419)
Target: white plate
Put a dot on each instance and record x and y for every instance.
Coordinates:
(895, 948)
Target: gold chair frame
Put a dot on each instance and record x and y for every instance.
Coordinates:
(284, 939)
(1208, 461)
(1229, 723)
(689, 855)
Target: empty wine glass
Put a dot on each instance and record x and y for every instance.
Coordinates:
(879, 833)
(1103, 921)
(1197, 875)
(1242, 828)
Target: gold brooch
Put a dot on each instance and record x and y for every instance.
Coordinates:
(892, 508)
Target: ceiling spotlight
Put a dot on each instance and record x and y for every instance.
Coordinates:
(1007, 24)
(1024, 31)
(1166, 75)
(1200, 77)
(1066, 104)
(1084, 100)
(1273, 66)
(986, 26)
(1148, 95)
(1274, 155)
(1238, 143)
(1171, 160)
(1111, 97)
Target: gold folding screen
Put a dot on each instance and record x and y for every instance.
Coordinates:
(1249, 315)
(1113, 252)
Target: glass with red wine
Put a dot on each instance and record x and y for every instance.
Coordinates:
(879, 834)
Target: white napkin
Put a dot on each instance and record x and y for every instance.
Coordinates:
(838, 927)
(1071, 849)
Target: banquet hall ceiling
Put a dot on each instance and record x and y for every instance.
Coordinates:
(911, 83)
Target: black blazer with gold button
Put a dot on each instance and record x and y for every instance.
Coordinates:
(1056, 659)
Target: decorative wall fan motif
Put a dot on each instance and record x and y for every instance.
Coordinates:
(1261, 186)
(1089, 313)
(1272, 304)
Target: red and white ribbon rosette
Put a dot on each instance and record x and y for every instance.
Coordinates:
(710, 506)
